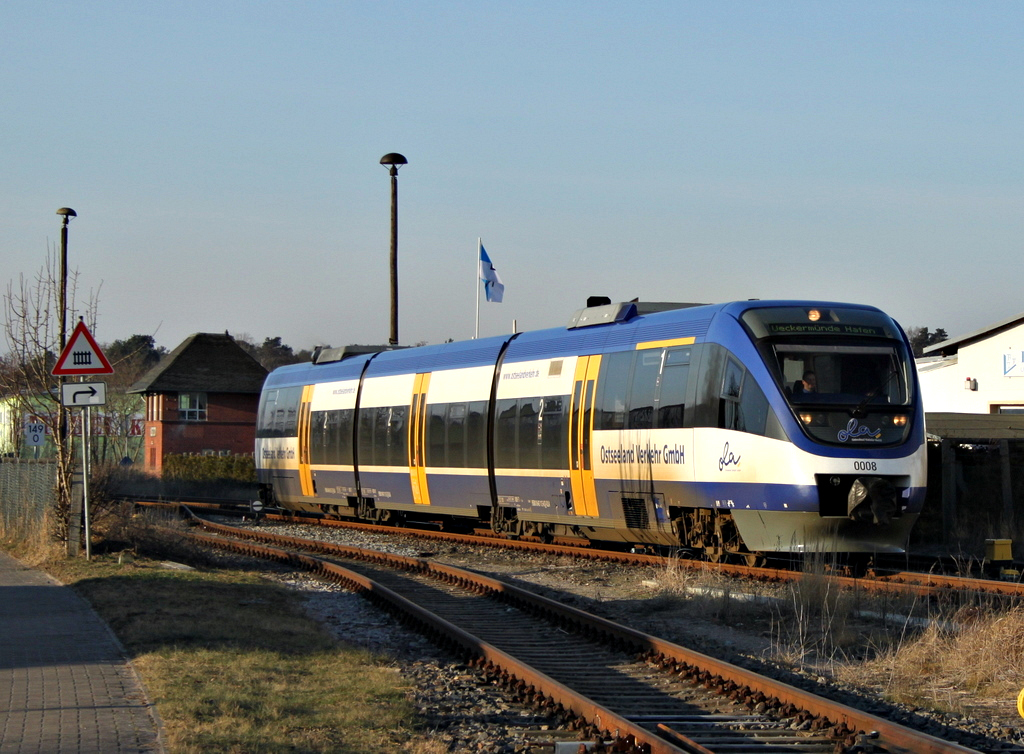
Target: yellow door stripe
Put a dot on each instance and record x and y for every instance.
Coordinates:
(305, 473)
(418, 439)
(666, 343)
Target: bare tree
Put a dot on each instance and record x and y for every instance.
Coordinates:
(32, 327)
(131, 358)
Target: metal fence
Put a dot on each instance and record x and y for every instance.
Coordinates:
(26, 492)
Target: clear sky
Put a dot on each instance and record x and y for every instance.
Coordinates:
(223, 158)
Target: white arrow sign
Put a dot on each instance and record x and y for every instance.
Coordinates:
(82, 394)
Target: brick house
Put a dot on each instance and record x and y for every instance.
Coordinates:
(202, 397)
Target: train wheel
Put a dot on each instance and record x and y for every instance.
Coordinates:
(506, 521)
(394, 518)
(754, 559)
(714, 554)
(538, 530)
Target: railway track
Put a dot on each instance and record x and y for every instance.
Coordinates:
(631, 691)
(932, 586)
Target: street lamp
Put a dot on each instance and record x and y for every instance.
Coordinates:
(64, 460)
(67, 213)
(394, 161)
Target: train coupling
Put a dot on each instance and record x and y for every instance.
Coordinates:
(872, 500)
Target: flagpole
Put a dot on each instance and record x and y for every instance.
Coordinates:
(476, 286)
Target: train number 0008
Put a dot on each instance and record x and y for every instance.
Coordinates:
(865, 466)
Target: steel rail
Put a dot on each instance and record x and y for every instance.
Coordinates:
(564, 699)
(905, 583)
(846, 721)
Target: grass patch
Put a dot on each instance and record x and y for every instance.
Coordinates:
(234, 665)
(969, 664)
(962, 657)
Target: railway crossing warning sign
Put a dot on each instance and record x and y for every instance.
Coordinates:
(81, 356)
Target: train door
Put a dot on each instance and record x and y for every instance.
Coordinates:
(305, 472)
(417, 440)
(581, 411)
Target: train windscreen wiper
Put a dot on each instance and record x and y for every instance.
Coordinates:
(858, 413)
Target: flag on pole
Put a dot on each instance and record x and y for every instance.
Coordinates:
(493, 287)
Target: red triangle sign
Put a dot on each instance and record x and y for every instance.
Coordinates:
(81, 356)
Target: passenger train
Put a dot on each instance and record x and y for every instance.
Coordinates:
(731, 430)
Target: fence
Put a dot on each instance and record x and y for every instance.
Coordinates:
(26, 493)
(975, 492)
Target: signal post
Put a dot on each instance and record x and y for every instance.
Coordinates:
(82, 357)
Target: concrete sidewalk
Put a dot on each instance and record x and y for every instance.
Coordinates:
(65, 684)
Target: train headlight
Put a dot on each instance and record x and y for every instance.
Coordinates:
(900, 420)
(813, 420)
(814, 315)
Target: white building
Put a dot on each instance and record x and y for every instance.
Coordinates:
(978, 373)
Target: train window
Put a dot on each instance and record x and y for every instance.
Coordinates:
(330, 437)
(672, 393)
(729, 415)
(743, 405)
(396, 436)
(436, 434)
(382, 420)
(382, 436)
(342, 440)
(505, 434)
(553, 440)
(367, 456)
(530, 427)
(476, 435)
(708, 385)
(754, 408)
(268, 404)
(643, 389)
(613, 389)
(456, 435)
(318, 436)
(279, 413)
(733, 380)
(677, 357)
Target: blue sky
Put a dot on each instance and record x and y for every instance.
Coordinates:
(223, 158)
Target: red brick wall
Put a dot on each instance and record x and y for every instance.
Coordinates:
(230, 427)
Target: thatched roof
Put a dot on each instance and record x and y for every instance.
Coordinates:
(204, 362)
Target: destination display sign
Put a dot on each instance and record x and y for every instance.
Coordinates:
(824, 328)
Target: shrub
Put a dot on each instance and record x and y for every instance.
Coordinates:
(196, 468)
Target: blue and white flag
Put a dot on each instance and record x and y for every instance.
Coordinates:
(493, 287)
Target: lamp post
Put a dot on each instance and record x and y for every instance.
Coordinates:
(67, 213)
(394, 161)
(64, 461)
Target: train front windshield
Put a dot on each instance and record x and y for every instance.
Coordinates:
(845, 372)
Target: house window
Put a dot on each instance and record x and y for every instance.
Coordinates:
(192, 407)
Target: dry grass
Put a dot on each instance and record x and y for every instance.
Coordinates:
(707, 594)
(231, 660)
(234, 665)
(971, 664)
(962, 660)
(30, 542)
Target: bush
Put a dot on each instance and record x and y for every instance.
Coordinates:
(184, 478)
(194, 468)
